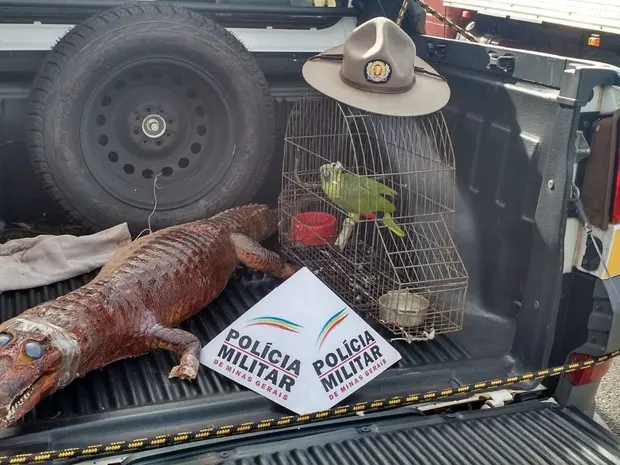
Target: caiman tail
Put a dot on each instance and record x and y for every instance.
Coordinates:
(256, 221)
(249, 225)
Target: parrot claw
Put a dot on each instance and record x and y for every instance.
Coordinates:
(347, 228)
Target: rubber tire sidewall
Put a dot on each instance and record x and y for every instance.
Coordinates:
(198, 40)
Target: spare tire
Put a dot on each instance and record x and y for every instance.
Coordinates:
(150, 93)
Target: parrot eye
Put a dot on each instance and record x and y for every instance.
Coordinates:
(33, 349)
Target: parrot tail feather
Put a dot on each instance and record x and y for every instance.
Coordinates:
(392, 226)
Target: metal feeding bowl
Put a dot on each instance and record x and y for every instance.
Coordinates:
(404, 308)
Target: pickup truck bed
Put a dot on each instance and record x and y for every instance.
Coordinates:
(512, 131)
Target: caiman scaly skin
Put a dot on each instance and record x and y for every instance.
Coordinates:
(132, 306)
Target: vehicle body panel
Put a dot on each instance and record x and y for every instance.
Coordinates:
(593, 15)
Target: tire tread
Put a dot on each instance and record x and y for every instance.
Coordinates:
(78, 37)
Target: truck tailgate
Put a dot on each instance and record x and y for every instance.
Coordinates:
(526, 433)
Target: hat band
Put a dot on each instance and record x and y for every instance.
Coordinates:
(340, 57)
(378, 88)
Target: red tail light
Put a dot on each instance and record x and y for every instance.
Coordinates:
(587, 375)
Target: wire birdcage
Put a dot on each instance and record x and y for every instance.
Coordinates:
(414, 284)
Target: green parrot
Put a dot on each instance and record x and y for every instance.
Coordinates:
(358, 195)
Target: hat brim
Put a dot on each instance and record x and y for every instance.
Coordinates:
(428, 95)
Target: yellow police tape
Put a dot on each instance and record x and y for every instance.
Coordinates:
(285, 421)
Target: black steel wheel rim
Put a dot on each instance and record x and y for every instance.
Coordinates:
(158, 116)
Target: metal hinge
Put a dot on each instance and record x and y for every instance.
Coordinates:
(504, 62)
(436, 50)
(582, 149)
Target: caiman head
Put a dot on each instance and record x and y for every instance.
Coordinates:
(31, 365)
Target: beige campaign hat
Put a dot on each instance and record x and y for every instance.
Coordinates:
(377, 70)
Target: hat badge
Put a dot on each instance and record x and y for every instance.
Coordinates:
(378, 71)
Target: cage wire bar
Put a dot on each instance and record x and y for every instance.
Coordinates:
(414, 285)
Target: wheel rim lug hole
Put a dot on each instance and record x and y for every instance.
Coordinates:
(153, 125)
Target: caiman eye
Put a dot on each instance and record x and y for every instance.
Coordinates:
(33, 349)
(4, 339)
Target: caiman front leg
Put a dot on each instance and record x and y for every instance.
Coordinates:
(183, 343)
(255, 256)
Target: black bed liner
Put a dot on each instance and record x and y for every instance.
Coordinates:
(144, 381)
(527, 433)
(136, 394)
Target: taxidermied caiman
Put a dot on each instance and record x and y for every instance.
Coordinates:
(131, 306)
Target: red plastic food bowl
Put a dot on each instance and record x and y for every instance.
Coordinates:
(313, 228)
